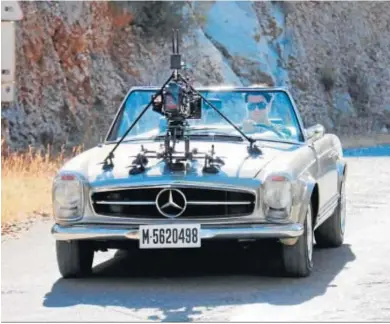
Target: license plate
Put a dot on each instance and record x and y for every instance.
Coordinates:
(169, 236)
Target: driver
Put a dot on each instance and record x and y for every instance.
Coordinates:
(258, 109)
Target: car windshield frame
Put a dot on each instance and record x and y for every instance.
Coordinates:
(302, 134)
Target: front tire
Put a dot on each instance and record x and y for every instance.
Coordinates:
(330, 234)
(74, 258)
(298, 258)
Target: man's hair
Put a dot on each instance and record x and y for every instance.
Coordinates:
(266, 95)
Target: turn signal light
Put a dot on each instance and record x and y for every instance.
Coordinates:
(278, 178)
(68, 177)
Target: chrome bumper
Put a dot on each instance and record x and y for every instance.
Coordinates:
(102, 232)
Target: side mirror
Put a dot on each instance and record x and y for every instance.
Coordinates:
(315, 132)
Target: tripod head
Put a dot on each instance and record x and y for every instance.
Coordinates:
(177, 102)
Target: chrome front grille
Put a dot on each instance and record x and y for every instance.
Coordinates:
(200, 202)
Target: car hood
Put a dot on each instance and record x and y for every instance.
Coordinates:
(238, 163)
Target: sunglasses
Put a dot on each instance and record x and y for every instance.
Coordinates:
(259, 106)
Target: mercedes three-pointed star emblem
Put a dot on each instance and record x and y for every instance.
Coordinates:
(171, 202)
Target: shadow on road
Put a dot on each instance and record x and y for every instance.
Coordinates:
(179, 285)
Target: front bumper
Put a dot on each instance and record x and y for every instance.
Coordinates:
(106, 232)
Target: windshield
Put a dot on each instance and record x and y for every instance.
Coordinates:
(260, 114)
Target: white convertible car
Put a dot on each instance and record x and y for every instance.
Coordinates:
(292, 190)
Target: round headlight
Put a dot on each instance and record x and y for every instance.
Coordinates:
(67, 197)
(278, 192)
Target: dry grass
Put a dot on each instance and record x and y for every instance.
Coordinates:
(26, 182)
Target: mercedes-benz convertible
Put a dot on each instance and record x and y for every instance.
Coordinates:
(290, 188)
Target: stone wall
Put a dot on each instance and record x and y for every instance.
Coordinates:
(76, 61)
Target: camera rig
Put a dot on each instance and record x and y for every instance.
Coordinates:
(178, 102)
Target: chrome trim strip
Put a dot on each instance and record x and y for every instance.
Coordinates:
(255, 217)
(93, 232)
(166, 184)
(127, 203)
(210, 203)
(148, 203)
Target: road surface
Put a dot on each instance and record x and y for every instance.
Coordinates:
(351, 283)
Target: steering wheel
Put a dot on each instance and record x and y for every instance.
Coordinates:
(272, 129)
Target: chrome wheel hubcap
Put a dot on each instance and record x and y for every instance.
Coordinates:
(309, 235)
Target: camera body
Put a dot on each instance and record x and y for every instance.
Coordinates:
(178, 103)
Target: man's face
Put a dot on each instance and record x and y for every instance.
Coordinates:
(258, 109)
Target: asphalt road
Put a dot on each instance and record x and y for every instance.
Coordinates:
(350, 283)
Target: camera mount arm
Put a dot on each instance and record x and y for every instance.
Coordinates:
(253, 148)
(108, 163)
(175, 66)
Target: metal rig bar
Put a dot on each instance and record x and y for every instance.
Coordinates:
(110, 154)
(249, 139)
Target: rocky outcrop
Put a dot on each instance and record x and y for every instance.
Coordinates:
(77, 60)
(342, 73)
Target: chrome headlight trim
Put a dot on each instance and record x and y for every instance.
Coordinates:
(81, 204)
(278, 179)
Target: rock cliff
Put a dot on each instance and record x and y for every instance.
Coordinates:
(76, 60)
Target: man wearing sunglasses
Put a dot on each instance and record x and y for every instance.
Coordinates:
(258, 108)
